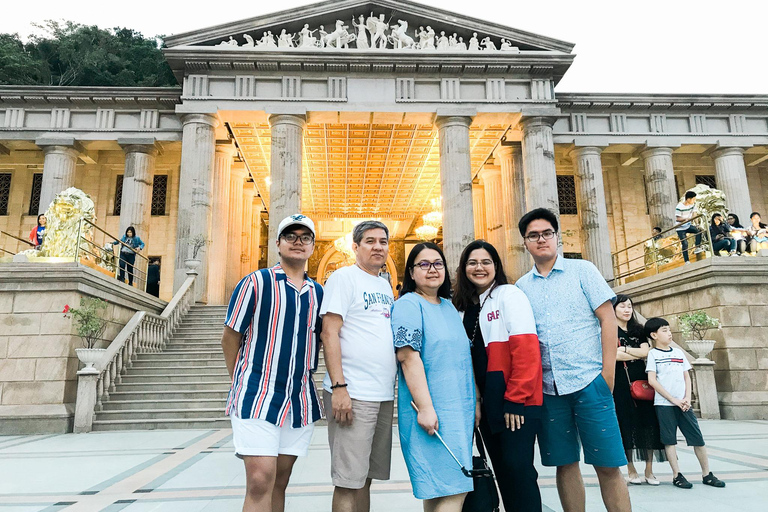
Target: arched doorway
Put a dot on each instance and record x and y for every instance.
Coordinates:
(333, 260)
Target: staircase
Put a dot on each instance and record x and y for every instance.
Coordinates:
(183, 387)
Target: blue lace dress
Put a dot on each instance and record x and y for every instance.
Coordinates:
(436, 332)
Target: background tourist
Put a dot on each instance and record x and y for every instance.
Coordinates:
(684, 212)
(359, 386)
(436, 373)
(739, 233)
(667, 370)
(128, 248)
(578, 337)
(153, 277)
(273, 405)
(507, 361)
(38, 232)
(637, 418)
(720, 234)
(758, 234)
(656, 233)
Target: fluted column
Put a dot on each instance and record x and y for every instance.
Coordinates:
(217, 275)
(136, 203)
(490, 177)
(595, 239)
(247, 229)
(539, 172)
(195, 184)
(660, 184)
(58, 172)
(256, 232)
(456, 186)
(478, 206)
(235, 227)
(285, 190)
(510, 159)
(731, 176)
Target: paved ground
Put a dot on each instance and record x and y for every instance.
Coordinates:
(190, 471)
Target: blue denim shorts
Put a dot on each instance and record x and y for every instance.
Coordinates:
(585, 418)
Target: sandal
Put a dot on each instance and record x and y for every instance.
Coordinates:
(712, 480)
(681, 482)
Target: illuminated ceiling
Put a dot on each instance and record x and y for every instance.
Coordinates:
(366, 170)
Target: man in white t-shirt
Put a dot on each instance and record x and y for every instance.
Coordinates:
(358, 390)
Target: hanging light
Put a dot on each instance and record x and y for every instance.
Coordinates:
(344, 245)
(426, 232)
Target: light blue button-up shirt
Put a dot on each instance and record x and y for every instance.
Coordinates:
(564, 305)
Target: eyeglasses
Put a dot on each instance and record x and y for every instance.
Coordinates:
(546, 235)
(426, 265)
(292, 237)
(481, 263)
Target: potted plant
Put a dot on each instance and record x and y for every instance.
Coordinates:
(694, 326)
(90, 327)
(196, 243)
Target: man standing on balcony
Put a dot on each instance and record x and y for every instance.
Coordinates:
(270, 346)
(358, 390)
(685, 211)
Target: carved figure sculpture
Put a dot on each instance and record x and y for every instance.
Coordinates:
(362, 34)
(473, 44)
(378, 28)
(249, 41)
(453, 41)
(506, 46)
(339, 38)
(323, 34)
(461, 45)
(285, 40)
(64, 215)
(489, 45)
(230, 42)
(430, 42)
(400, 38)
(442, 41)
(307, 39)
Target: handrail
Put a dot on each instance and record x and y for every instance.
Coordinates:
(144, 333)
(14, 237)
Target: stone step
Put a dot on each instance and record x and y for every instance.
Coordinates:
(143, 405)
(118, 396)
(181, 354)
(174, 378)
(177, 423)
(179, 370)
(153, 385)
(170, 361)
(163, 414)
(191, 345)
(196, 336)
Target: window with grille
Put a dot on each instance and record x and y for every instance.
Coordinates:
(34, 196)
(572, 255)
(566, 195)
(118, 195)
(5, 192)
(707, 180)
(159, 194)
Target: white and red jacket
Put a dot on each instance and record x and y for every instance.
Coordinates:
(513, 381)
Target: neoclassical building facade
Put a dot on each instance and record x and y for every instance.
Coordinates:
(350, 109)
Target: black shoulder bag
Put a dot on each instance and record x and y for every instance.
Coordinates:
(485, 496)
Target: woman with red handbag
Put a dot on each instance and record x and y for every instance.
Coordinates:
(633, 396)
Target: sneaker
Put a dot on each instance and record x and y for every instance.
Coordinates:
(652, 480)
(732, 253)
(712, 480)
(681, 482)
(698, 250)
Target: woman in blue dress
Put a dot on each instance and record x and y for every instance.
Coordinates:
(436, 374)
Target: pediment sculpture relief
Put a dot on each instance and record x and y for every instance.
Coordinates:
(371, 33)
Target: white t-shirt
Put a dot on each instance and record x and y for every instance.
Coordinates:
(368, 359)
(669, 366)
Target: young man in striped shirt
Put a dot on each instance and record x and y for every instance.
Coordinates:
(270, 345)
(685, 211)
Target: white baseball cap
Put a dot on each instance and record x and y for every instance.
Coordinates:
(296, 219)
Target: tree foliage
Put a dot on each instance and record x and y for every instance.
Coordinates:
(67, 53)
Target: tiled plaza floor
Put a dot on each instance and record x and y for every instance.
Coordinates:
(191, 471)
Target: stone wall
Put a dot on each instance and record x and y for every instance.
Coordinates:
(733, 290)
(38, 365)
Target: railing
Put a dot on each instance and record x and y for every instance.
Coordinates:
(104, 256)
(7, 240)
(144, 333)
(658, 253)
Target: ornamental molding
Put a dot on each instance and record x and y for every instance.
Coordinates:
(31, 96)
(660, 102)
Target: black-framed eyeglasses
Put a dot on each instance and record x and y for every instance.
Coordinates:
(426, 265)
(546, 235)
(292, 237)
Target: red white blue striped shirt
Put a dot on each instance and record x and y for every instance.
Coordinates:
(280, 327)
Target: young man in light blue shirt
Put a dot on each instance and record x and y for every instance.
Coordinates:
(578, 337)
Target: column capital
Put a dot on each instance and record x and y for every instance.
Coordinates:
(582, 151)
(299, 120)
(238, 172)
(64, 150)
(226, 148)
(727, 151)
(661, 151)
(446, 121)
(536, 121)
(507, 149)
(489, 172)
(209, 119)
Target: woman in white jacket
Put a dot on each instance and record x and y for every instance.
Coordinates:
(507, 363)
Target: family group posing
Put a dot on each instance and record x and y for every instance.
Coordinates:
(537, 359)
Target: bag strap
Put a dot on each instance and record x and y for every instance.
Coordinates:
(480, 445)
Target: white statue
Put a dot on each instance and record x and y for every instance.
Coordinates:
(322, 35)
(506, 46)
(442, 41)
(267, 40)
(489, 45)
(339, 38)
(461, 45)
(307, 39)
(400, 38)
(453, 41)
(473, 44)
(230, 42)
(285, 40)
(362, 34)
(377, 27)
(249, 41)
(430, 42)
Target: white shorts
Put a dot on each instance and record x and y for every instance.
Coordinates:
(254, 437)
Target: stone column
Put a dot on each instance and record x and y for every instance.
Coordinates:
(731, 176)
(198, 145)
(217, 266)
(510, 158)
(235, 227)
(256, 232)
(478, 206)
(136, 204)
(660, 186)
(247, 229)
(539, 172)
(58, 171)
(285, 190)
(595, 239)
(456, 187)
(490, 177)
